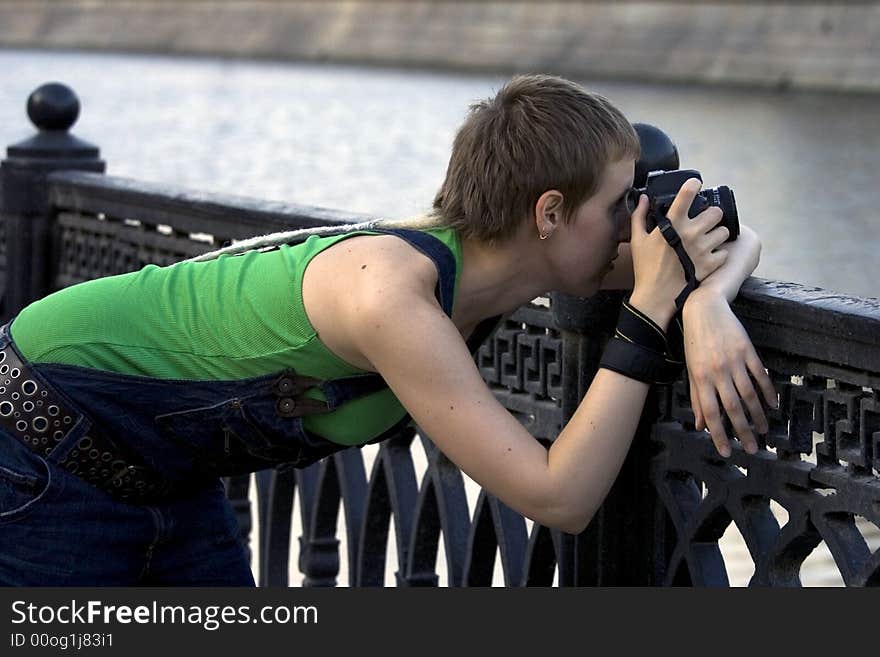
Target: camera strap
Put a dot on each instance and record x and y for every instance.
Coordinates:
(690, 272)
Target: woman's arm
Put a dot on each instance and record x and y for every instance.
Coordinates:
(720, 357)
(402, 331)
(742, 259)
(743, 255)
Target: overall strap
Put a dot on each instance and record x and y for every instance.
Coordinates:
(339, 391)
(443, 259)
(346, 389)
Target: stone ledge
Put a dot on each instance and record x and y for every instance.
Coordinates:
(780, 44)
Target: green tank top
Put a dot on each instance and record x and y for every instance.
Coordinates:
(233, 317)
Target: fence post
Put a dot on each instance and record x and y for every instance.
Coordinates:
(619, 547)
(26, 215)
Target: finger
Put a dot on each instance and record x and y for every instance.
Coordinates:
(638, 219)
(756, 367)
(707, 263)
(750, 398)
(709, 218)
(716, 237)
(678, 211)
(712, 417)
(737, 416)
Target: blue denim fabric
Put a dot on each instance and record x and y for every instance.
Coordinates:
(58, 530)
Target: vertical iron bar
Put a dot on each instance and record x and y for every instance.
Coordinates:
(617, 547)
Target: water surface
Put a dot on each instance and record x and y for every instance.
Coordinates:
(804, 166)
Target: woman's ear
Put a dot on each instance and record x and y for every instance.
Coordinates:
(548, 213)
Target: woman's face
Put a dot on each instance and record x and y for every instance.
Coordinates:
(585, 247)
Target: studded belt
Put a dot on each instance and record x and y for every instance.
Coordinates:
(38, 416)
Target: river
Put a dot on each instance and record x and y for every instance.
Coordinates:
(804, 166)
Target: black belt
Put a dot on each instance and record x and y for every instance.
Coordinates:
(35, 414)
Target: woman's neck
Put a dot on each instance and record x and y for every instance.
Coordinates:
(496, 280)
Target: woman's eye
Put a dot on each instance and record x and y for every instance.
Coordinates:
(624, 206)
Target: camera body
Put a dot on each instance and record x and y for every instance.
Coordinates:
(662, 187)
(658, 177)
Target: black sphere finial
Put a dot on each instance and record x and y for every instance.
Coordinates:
(53, 106)
(658, 152)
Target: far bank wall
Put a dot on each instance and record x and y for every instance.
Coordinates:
(777, 44)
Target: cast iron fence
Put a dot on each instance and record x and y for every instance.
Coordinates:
(814, 480)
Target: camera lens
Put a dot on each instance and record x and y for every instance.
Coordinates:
(728, 205)
(723, 198)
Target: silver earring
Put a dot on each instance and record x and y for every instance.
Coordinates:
(544, 236)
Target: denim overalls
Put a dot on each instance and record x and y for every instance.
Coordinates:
(58, 529)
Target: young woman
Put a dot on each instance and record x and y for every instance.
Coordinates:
(127, 397)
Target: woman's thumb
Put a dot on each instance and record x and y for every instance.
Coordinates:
(639, 217)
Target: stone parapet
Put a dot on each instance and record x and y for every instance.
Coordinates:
(777, 44)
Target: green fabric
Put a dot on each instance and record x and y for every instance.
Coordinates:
(230, 318)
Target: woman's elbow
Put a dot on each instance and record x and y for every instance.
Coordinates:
(578, 527)
(567, 519)
(562, 506)
(753, 237)
(574, 525)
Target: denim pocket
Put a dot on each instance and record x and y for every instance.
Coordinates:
(24, 479)
(237, 435)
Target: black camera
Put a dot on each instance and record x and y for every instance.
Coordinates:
(660, 179)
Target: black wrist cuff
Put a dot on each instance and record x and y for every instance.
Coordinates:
(634, 326)
(670, 371)
(632, 360)
(642, 351)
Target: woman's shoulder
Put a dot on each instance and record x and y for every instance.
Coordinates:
(363, 262)
(346, 286)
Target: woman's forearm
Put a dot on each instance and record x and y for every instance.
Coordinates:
(587, 455)
(742, 259)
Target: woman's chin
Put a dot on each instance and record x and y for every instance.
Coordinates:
(585, 286)
(586, 289)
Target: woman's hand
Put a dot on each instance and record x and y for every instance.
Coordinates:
(720, 357)
(658, 274)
